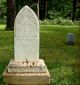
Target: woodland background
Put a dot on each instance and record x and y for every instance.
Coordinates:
(52, 11)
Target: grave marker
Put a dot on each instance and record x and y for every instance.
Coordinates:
(26, 68)
(70, 38)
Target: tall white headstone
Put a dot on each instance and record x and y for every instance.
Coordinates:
(26, 36)
(26, 68)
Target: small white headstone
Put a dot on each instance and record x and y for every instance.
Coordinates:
(26, 36)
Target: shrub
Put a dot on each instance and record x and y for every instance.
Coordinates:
(77, 23)
(59, 21)
(66, 22)
(2, 21)
(53, 14)
(45, 22)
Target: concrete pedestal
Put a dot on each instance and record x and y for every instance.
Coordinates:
(27, 78)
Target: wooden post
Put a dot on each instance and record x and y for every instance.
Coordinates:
(38, 8)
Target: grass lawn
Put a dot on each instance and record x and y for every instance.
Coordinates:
(62, 60)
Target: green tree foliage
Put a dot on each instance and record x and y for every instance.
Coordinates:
(30, 3)
(48, 9)
(3, 11)
(59, 8)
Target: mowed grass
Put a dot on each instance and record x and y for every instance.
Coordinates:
(6, 51)
(62, 60)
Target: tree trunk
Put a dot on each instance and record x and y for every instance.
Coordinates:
(74, 10)
(38, 8)
(11, 13)
(63, 6)
(45, 9)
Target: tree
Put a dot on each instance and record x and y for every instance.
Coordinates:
(11, 13)
(74, 10)
(43, 9)
(38, 8)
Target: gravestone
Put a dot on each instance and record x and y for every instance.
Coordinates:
(26, 67)
(70, 38)
(26, 37)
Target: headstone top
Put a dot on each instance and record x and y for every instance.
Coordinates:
(26, 35)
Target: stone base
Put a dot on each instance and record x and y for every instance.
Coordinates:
(27, 78)
(27, 66)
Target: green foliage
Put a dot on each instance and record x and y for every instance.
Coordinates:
(30, 3)
(45, 22)
(53, 14)
(62, 21)
(59, 21)
(2, 21)
(3, 10)
(77, 23)
(67, 22)
(57, 8)
(2, 27)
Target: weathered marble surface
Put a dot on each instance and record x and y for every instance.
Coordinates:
(26, 36)
(28, 67)
(27, 78)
